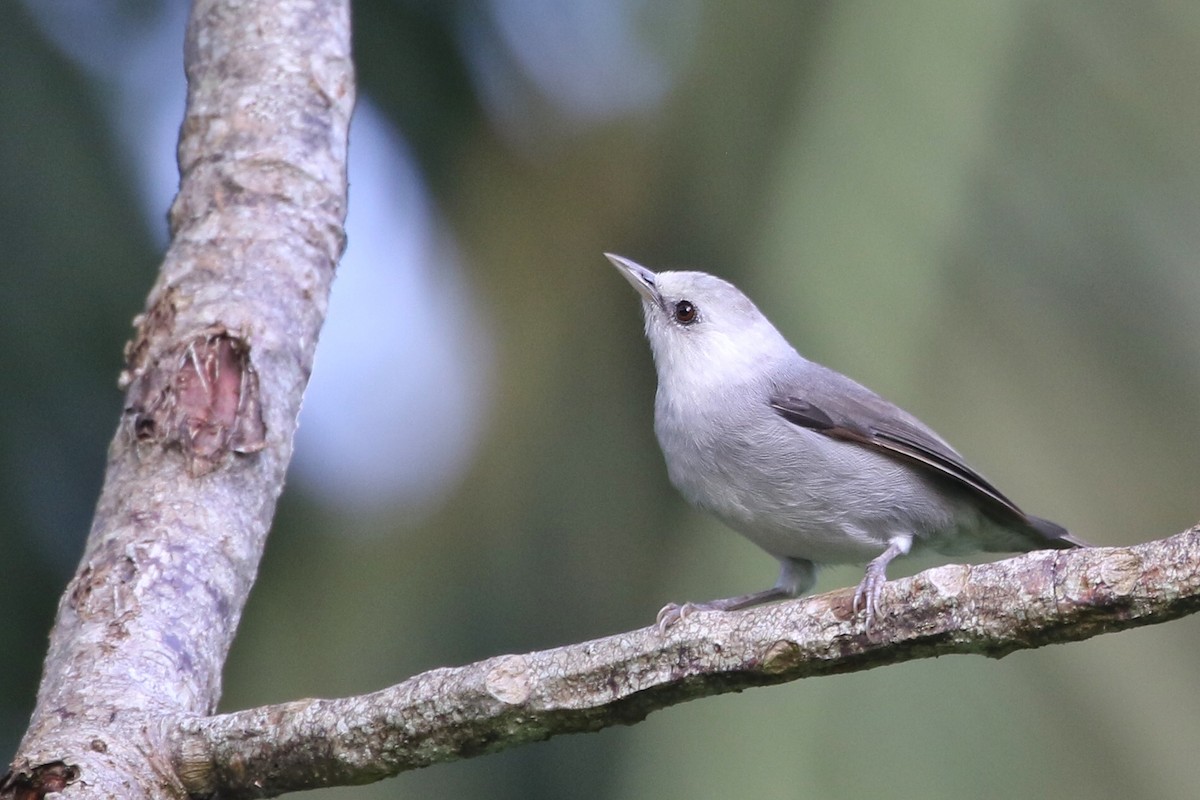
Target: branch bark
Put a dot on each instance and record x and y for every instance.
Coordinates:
(446, 714)
(214, 378)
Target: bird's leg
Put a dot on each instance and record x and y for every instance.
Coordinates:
(796, 577)
(866, 596)
(673, 612)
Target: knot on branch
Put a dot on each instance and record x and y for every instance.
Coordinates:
(36, 782)
(508, 680)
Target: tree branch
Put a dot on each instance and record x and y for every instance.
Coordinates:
(214, 378)
(446, 714)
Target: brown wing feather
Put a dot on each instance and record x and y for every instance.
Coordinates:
(897, 439)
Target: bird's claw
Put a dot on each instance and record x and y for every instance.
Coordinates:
(866, 596)
(675, 612)
(672, 613)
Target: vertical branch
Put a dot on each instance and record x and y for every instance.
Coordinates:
(213, 381)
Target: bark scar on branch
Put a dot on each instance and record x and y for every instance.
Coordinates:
(199, 393)
(40, 781)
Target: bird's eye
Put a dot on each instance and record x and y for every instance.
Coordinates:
(685, 312)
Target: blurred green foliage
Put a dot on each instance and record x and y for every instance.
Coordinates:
(987, 212)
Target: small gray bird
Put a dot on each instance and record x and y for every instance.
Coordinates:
(801, 460)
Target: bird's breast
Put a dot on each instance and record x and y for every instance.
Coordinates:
(791, 490)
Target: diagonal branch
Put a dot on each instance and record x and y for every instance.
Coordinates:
(213, 379)
(991, 609)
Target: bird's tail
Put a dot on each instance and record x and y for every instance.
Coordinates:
(1056, 535)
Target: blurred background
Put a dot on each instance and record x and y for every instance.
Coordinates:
(988, 213)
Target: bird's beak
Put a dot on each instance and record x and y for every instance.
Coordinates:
(638, 276)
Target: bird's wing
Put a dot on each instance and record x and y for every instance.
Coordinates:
(866, 419)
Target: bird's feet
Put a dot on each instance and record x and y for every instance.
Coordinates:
(674, 612)
(866, 596)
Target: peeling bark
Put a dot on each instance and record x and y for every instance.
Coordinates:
(202, 396)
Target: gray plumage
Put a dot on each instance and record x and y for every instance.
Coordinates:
(809, 465)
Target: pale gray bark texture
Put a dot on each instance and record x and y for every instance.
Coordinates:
(446, 714)
(214, 378)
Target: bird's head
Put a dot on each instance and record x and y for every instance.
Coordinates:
(701, 327)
